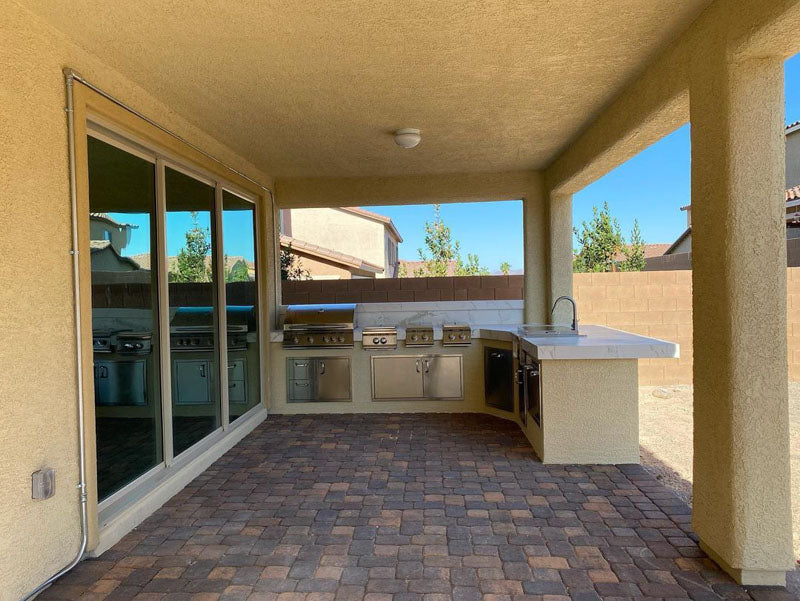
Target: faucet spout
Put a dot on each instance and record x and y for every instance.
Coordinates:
(574, 309)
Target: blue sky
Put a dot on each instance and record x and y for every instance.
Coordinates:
(651, 187)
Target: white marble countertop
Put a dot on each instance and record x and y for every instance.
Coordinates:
(599, 342)
(595, 342)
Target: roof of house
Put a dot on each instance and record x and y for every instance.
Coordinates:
(96, 246)
(680, 239)
(330, 255)
(111, 221)
(375, 217)
(655, 250)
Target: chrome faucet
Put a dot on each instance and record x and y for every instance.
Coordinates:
(574, 310)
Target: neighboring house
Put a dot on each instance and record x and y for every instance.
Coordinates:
(107, 239)
(678, 255)
(346, 242)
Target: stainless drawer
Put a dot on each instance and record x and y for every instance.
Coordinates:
(300, 390)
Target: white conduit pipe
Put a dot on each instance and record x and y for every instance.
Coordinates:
(79, 344)
(71, 77)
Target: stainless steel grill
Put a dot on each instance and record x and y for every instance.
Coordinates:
(383, 338)
(456, 335)
(319, 326)
(419, 336)
(192, 328)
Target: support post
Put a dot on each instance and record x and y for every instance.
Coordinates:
(741, 506)
(536, 241)
(559, 255)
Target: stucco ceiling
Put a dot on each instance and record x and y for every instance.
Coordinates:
(316, 88)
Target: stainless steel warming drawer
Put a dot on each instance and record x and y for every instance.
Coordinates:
(318, 379)
(417, 378)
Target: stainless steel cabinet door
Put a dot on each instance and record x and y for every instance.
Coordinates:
(442, 377)
(333, 378)
(397, 378)
(192, 382)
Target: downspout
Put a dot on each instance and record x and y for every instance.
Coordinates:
(69, 76)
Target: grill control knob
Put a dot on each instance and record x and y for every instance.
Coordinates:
(310, 339)
(451, 336)
(462, 337)
(383, 340)
(325, 339)
(296, 340)
(376, 340)
(138, 345)
(414, 337)
(341, 338)
(424, 336)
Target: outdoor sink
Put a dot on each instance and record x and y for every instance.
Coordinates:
(537, 330)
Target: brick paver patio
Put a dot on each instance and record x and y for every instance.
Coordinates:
(406, 508)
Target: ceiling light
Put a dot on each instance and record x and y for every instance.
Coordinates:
(408, 137)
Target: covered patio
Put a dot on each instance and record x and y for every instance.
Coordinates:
(406, 507)
(137, 116)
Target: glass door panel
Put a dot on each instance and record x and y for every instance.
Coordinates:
(241, 293)
(190, 239)
(122, 242)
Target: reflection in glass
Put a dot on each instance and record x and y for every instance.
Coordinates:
(124, 315)
(192, 300)
(241, 293)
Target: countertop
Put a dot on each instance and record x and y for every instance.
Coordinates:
(595, 342)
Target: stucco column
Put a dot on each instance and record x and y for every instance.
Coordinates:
(559, 207)
(536, 241)
(741, 506)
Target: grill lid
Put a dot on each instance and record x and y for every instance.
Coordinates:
(340, 315)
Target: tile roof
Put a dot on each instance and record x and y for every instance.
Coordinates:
(331, 255)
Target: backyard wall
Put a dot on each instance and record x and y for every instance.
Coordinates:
(651, 303)
(402, 290)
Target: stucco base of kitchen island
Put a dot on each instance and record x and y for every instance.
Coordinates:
(589, 412)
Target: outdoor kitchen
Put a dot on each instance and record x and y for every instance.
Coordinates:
(572, 388)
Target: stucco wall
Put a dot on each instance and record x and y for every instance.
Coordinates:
(345, 232)
(37, 379)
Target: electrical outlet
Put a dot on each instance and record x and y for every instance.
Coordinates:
(43, 484)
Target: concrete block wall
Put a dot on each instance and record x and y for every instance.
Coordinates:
(659, 304)
(651, 303)
(389, 290)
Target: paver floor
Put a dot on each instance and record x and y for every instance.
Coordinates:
(406, 508)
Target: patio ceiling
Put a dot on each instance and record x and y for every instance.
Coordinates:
(315, 89)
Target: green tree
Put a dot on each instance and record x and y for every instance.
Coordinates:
(402, 271)
(634, 252)
(505, 267)
(602, 246)
(190, 265)
(292, 267)
(238, 272)
(441, 250)
(471, 267)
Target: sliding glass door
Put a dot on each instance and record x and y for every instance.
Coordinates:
(190, 240)
(122, 225)
(241, 292)
(169, 248)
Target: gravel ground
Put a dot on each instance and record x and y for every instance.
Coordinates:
(665, 435)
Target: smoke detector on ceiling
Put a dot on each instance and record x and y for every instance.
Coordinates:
(408, 137)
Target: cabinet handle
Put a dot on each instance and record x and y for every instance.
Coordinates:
(303, 384)
(427, 366)
(417, 364)
(321, 367)
(202, 370)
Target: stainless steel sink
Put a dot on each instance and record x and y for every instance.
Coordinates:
(539, 330)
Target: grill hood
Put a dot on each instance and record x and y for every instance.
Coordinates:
(330, 316)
